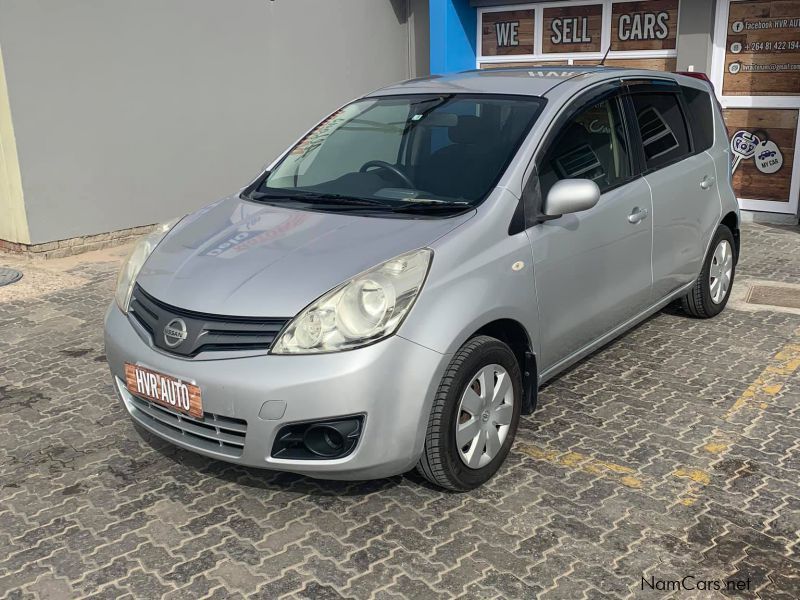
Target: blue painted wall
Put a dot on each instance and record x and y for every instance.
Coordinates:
(453, 26)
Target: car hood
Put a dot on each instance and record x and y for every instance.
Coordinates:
(243, 258)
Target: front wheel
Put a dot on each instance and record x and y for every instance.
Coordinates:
(474, 416)
(713, 288)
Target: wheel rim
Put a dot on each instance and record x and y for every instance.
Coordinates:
(720, 272)
(484, 416)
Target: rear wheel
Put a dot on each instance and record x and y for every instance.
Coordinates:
(713, 288)
(474, 416)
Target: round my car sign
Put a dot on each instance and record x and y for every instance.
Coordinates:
(768, 157)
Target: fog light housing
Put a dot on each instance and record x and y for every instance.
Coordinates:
(318, 440)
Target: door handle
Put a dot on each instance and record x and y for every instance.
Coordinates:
(638, 214)
(707, 182)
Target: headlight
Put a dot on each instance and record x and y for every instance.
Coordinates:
(365, 309)
(133, 264)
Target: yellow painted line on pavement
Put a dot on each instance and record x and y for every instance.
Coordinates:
(757, 396)
(698, 479)
(583, 462)
(695, 475)
(716, 447)
(771, 380)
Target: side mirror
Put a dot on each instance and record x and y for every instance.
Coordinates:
(571, 196)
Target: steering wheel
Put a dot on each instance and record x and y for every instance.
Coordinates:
(382, 164)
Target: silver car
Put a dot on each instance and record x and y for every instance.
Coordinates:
(392, 291)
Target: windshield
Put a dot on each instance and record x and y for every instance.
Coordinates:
(393, 151)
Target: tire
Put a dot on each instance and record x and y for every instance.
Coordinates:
(441, 462)
(700, 302)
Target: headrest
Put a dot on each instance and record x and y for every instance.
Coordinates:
(439, 119)
(468, 130)
(573, 136)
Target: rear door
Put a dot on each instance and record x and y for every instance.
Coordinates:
(682, 179)
(709, 135)
(591, 268)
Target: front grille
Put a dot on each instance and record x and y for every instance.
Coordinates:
(204, 332)
(213, 433)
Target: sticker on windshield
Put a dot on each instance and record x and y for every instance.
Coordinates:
(319, 134)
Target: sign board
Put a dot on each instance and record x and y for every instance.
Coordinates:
(581, 30)
(508, 32)
(762, 49)
(654, 64)
(763, 146)
(526, 63)
(572, 29)
(644, 25)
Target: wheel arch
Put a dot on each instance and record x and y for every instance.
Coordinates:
(514, 334)
(731, 221)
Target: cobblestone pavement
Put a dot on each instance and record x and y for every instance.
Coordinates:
(673, 451)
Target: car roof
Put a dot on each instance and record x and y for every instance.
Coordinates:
(528, 81)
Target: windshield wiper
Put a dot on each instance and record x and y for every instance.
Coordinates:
(430, 205)
(344, 202)
(339, 200)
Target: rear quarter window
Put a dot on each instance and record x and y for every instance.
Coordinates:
(701, 117)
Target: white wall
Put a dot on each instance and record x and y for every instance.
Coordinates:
(131, 112)
(695, 24)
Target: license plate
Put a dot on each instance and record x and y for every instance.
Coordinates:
(166, 390)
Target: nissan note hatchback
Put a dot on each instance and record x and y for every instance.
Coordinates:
(394, 289)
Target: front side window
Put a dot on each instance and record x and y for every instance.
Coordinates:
(391, 150)
(592, 145)
(662, 127)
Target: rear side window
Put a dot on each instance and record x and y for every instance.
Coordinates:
(700, 112)
(663, 128)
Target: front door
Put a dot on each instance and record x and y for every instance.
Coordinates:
(591, 268)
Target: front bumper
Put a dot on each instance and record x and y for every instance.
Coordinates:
(391, 383)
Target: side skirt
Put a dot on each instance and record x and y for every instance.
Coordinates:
(614, 333)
